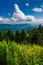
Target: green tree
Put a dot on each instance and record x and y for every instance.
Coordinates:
(22, 36)
(34, 38)
(10, 35)
(1, 37)
(17, 36)
(39, 28)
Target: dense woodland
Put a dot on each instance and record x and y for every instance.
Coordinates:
(34, 36)
(21, 47)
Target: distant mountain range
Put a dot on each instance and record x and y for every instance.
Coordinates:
(14, 27)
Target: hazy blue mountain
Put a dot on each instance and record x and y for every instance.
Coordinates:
(15, 27)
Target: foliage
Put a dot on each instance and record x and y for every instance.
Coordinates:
(16, 54)
(29, 37)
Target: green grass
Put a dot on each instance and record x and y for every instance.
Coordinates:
(16, 54)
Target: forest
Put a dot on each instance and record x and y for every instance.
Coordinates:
(21, 47)
(34, 36)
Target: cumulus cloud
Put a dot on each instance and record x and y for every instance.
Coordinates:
(40, 21)
(1, 18)
(37, 21)
(4, 20)
(18, 15)
(38, 9)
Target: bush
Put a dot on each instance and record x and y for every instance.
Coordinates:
(16, 54)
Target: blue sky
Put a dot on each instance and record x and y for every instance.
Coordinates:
(29, 11)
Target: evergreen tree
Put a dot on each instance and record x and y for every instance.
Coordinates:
(39, 28)
(12, 37)
(23, 36)
(1, 38)
(34, 38)
(17, 36)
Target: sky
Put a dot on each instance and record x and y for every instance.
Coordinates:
(21, 11)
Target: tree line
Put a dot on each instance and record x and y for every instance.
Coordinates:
(34, 36)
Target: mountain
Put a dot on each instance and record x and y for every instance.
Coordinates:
(14, 27)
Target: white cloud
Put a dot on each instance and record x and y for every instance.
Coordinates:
(18, 15)
(4, 20)
(27, 4)
(40, 21)
(38, 9)
(37, 21)
(1, 18)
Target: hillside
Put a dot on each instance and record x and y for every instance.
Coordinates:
(15, 27)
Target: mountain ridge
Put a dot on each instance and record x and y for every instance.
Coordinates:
(15, 27)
